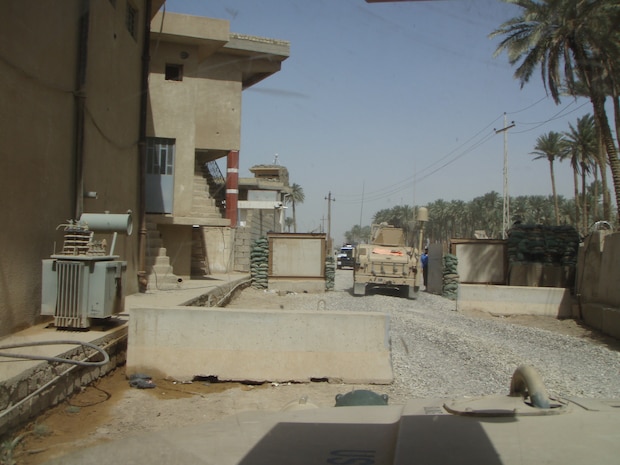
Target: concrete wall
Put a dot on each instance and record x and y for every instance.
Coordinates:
(220, 248)
(244, 239)
(480, 261)
(516, 300)
(597, 283)
(39, 49)
(254, 345)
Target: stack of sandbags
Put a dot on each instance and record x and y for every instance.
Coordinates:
(259, 263)
(550, 245)
(330, 273)
(450, 277)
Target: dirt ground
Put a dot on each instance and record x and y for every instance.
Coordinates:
(111, 409)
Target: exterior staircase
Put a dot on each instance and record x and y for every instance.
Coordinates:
(209, 191)
(207, 196)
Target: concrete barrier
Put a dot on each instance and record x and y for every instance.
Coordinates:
(602, 317)
(516, 300)
(259, 345)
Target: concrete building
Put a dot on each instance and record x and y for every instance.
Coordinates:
(75, 119)
(197, 74)
(262, 208)
(71, 80)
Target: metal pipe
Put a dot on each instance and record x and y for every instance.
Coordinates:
(142, 279)
(80, 104)
(107, 222)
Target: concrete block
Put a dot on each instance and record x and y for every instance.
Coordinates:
(298, 286)
(259, 345)
(516, 300)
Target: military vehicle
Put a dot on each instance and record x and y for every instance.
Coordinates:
(346, 257)
(386, 263)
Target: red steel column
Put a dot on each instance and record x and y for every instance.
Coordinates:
(232, 186)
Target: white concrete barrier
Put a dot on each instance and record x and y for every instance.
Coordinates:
(259, 345)
(516, 300)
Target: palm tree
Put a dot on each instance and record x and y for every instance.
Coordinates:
(551, 146)
(572, 41)
(357, 234)
(436, 230)
(601, 159)
(296, 196)
(288, 222)
(582, 143)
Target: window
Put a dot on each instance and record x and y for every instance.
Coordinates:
(174, 72)
(160, 156)
(131, 20)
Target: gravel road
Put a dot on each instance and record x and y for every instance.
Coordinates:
(438, 351)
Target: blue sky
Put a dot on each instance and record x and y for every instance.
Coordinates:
(390, 104)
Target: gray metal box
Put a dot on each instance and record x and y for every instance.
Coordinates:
(74, 291)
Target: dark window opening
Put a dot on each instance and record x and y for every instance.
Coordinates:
(174, 72)
(131, 20)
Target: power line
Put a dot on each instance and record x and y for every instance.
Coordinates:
(460, 151)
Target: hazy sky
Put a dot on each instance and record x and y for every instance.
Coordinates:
(390, 104)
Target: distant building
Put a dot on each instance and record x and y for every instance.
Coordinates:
(262, 208)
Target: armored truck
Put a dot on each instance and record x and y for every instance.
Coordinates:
(346, 258)
(386, 263)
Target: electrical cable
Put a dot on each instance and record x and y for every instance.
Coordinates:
(57, 377)
(84, 363)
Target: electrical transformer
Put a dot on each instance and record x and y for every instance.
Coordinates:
(85, 281)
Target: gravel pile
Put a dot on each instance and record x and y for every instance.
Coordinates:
(439, 352)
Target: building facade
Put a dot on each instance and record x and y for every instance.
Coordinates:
(71, 87)
(78, 128)
(198, 71)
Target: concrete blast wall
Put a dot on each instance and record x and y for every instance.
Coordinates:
(254, 345)
(597, 284)
(516, 300)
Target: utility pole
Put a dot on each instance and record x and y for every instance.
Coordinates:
(329, 221)
(506, 208)
(362, 207)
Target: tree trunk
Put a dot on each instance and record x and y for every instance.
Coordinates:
(576, 186)
(598, 105)
(555, 195)
(584, 201)
(602, 163)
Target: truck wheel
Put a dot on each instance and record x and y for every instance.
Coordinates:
(412, 292)
(359, 289)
